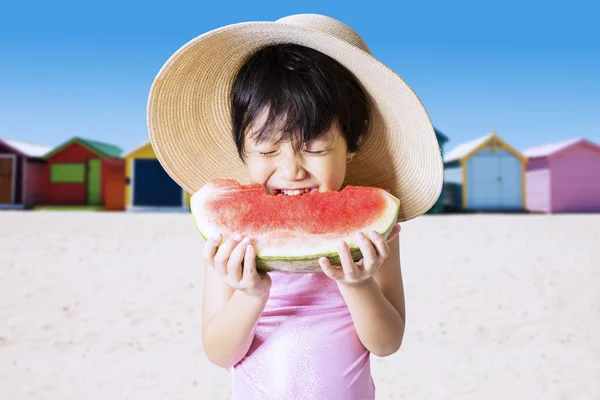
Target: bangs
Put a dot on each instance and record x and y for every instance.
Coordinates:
(286, 121)
(302, 92)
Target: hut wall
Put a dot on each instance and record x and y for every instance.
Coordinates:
(67, 193)
(537, 163)
(113, 179)
(35, 183)
(575, 180)
(453, 175)
(453, 187)
(17, 172)
(538, 189)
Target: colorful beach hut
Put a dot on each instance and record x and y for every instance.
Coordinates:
(486, 174)
(83, 172)
(148, 186)
(21, 173)
(438, 207)
(564, 177)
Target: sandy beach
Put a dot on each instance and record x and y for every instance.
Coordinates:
(108, 306)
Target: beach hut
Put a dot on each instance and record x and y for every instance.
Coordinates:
(563, 177)
(438, 207)
(148, 186)
(21, 173)
(83, 172)
(485, 174)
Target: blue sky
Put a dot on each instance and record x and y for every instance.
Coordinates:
(529, 69)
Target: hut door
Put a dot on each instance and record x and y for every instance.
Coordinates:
(485, 183)
(7, 179)
(511, 174)
(93, 182)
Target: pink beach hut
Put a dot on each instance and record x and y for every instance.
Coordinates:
(563, 177)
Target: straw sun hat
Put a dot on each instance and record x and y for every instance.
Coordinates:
(189, 112)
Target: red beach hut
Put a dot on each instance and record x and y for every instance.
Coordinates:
(84, 172)
(22, 173)
(564, 177)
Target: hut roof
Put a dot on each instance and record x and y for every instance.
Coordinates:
(549, 149)
(466, 148)
(141, 146)
(109, 150)
(27, 149)
(100, 148)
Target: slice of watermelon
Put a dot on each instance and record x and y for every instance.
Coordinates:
(290, 233)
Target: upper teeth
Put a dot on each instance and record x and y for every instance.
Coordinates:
(295, 192)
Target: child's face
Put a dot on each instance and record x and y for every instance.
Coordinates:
(318, 166)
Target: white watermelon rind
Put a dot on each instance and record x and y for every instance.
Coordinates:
(308, 263)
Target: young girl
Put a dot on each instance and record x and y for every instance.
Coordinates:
(297, 105)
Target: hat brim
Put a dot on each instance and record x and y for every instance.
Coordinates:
(190, 128)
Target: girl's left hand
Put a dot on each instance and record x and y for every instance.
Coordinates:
(374, 253)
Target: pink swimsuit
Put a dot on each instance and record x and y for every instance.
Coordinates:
(306, 346)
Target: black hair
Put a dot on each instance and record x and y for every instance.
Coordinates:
(305, 92)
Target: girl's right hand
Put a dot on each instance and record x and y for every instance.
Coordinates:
(227, 262)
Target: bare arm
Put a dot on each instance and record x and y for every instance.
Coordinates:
(373, 291)
(227, 323)
(229, 315)
(377, 306)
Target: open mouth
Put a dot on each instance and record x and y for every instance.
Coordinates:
(294, 192)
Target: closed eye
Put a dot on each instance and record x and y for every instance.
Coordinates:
(315, 153)
(268, 153)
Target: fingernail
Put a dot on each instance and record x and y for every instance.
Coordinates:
(246, 240)
(373, 235)
(237, 237)
(216, 236)
(358, 236)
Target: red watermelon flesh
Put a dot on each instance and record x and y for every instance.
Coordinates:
(290, 233)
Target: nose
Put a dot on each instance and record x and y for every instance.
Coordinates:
(291, 167)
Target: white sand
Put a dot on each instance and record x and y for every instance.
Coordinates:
(108, 306)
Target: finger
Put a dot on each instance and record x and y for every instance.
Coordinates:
(366, 248)
(224, 252)
(234, 264)
(249, 273)
(350, 269)
(210, 248)
(380, 244)
(395, 232)
(329, 270)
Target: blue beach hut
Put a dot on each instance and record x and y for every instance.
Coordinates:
(485, 174)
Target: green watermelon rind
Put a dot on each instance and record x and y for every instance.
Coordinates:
(308, 263)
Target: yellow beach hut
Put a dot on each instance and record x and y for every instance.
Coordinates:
(148, 186)
(485, 174)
